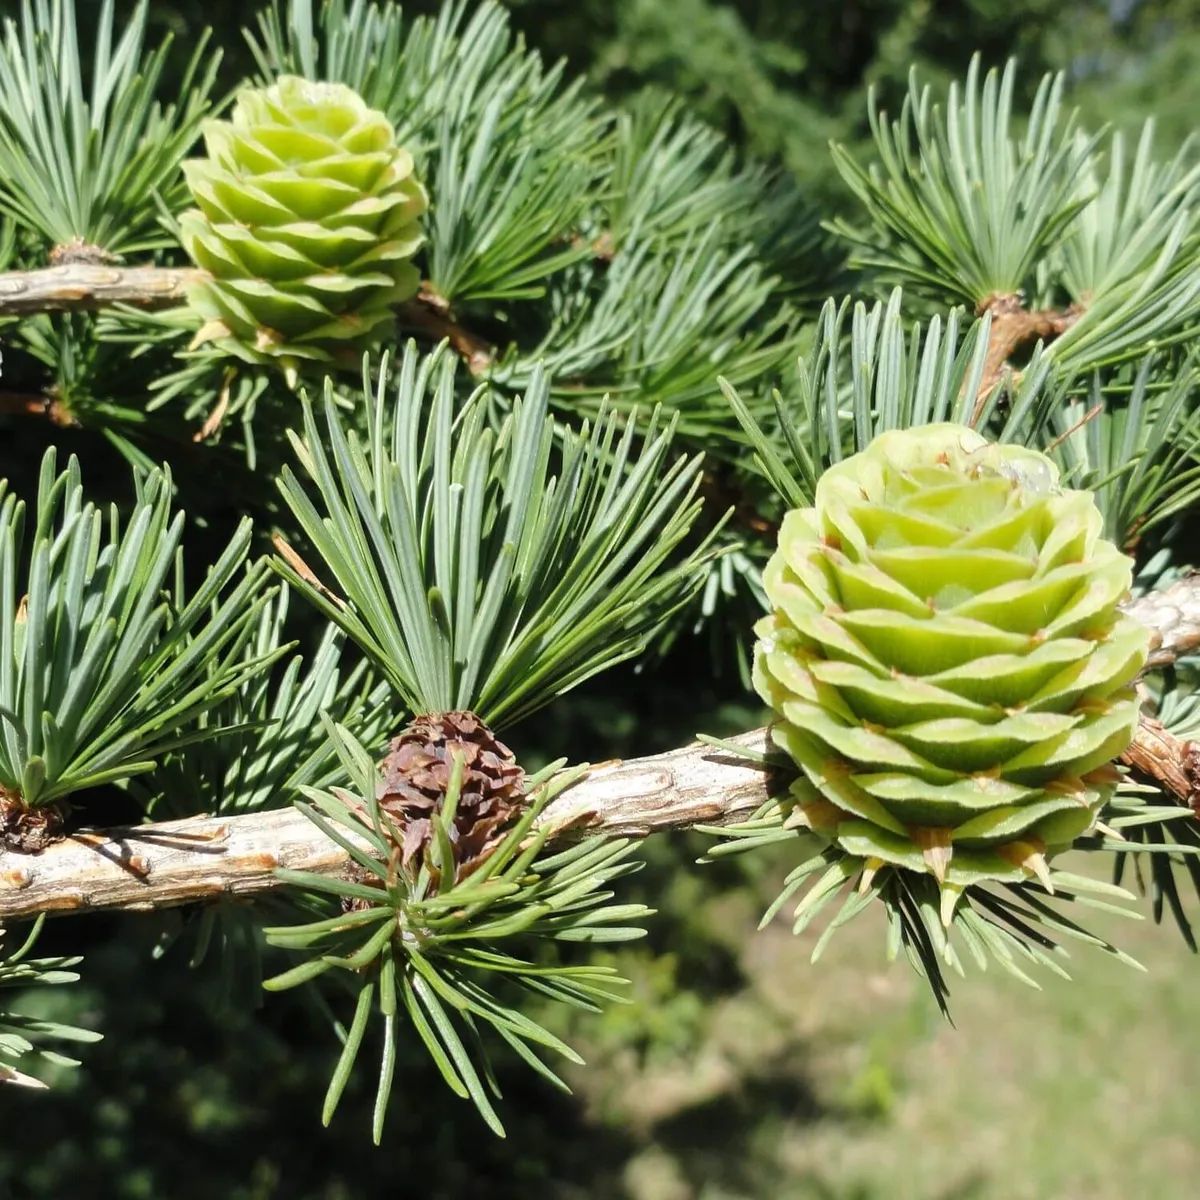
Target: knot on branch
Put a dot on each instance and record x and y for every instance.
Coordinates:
(1160, 756)
(79, 251)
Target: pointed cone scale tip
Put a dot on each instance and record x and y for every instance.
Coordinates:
(936, 848)
(210, 331)
(870, 870)
(949, 896)
(1031, 857)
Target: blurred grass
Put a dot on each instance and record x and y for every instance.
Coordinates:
(841, 1081)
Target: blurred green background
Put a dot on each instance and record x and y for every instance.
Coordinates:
(739, 1070)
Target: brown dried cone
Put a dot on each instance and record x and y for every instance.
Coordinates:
(416, 774)
(28, 830)
(1172, 614)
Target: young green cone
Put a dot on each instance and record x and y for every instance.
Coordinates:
(306, 222)
(947, 660)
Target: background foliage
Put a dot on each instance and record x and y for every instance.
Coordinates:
(736, 1072)
(782, 79)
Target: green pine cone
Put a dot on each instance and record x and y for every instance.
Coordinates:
(307, 224)
(947, 660)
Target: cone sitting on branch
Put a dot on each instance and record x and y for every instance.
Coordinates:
(306, 220)
(416, 776)
(947, 656)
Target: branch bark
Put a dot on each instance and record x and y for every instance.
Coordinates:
(179, 862)
(83, 285)
(141, 868)
(78, 285)
(430, 314)
(31, 404)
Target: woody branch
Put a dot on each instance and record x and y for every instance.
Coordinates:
(88, 286)
(155, 866)
(1013, 326)
(179, 862)
(204, 858)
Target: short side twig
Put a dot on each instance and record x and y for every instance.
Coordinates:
(76, 285)
(1014, 326)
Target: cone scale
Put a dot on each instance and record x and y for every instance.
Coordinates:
(946, 659)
